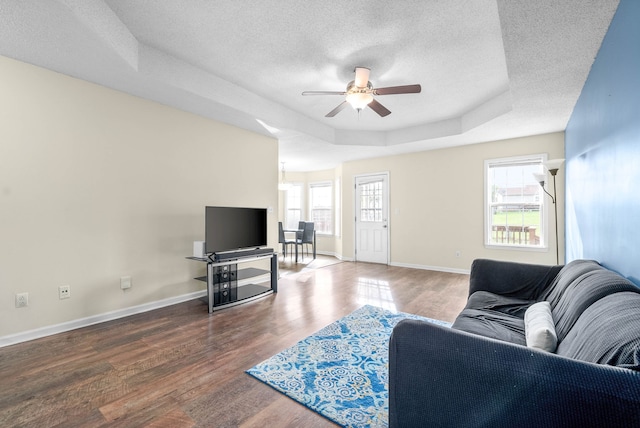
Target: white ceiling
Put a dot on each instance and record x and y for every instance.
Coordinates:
(489, 69)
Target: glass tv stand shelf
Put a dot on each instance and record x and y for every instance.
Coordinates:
(225, 281)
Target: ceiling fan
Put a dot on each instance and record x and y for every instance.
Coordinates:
(360, 92)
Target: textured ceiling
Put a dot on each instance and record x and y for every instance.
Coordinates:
(489, 69)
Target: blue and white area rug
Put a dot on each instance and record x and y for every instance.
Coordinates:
(341, 371)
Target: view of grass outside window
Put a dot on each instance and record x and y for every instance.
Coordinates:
(514, 203)
(321, 207)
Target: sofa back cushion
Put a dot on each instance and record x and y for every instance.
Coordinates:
(568, 274)
(608, 332)
(511, 279)
(582, 293)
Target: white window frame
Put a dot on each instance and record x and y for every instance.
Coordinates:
(319, 184)
(337, 208)
(542, 200)
(288, 225)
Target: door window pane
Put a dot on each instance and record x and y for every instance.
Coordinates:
(371, 201)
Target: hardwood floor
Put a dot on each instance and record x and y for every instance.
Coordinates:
(181, 367)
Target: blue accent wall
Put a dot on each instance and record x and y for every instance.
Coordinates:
(602, 145)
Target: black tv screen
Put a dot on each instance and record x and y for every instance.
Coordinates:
(234, 228)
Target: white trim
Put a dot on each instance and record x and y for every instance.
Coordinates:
(434, 268)
(516, 248)
(50, 330)
(336, 255)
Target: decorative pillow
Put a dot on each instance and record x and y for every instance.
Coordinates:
(539, 329)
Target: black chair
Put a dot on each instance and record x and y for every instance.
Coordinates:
(307, 237)
(283, 240)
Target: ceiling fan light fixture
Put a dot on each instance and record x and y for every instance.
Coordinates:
(360, 94)
(359, 100)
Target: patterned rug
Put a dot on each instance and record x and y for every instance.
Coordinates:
(340, 371)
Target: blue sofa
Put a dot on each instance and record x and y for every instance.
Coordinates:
(481, 373)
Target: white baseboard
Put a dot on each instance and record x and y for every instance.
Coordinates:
(434, 268)
(336, 255)
(50, 330)
(407, 265)
(38, 333)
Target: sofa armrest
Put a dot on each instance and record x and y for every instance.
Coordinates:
(443, 377)
(520, 280)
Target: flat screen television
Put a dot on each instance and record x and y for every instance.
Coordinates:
(234, 228)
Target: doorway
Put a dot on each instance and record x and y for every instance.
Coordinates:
(372, 226)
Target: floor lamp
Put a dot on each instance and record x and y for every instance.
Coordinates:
(552, 166)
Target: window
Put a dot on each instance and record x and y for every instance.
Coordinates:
(338, 212)
(293, 206)
(320, 199)
(514, 214)
(371, 201)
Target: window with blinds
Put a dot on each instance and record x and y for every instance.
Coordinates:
(293, 206)
(321, 206)
(514, 214)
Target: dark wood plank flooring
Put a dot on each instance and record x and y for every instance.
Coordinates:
(181, 367)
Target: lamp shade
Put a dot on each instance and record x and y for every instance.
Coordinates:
(553, 164)
(540, 178)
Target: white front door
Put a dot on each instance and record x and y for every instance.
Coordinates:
(372, 231)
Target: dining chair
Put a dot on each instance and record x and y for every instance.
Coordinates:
(307, 236)
(300, 229)
(283, 240)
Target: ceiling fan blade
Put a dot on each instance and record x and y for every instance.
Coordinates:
(362, 77)
(324, 93)
(337, 109)
(379, 108)
(406, 89)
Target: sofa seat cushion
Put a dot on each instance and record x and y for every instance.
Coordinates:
(494, 316)
(608, 332)
(493, 324)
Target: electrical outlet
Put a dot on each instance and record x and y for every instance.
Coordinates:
(64, 292)
(458, 253)
(22, 300)
(125, 282)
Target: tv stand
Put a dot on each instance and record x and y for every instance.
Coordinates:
(235, 255)
(223, 276)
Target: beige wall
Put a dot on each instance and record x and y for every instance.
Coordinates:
(436, 204)
(96, 184)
